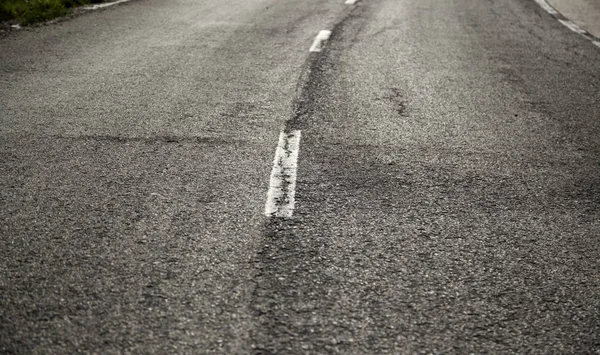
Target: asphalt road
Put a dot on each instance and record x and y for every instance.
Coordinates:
(447, 195)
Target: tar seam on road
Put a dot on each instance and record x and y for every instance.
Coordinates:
(282, 185)
(317, 45)
(568, 23)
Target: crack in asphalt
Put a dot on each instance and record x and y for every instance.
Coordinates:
(397, 100)
(149, 139)
(311, 82)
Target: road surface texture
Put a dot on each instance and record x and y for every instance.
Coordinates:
(447, 196)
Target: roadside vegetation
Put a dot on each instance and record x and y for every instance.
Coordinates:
(27, 12)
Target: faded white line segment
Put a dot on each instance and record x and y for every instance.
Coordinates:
(282, 186)
(547, 7)
(572, 26)
(597, 43)
(317, 45)
(350, 2)
(107, 4)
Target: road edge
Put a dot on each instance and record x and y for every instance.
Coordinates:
(568, 23)
(10, 27)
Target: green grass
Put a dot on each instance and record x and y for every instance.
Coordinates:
(27, 12)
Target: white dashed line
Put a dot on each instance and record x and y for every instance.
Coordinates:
(282, 186)
(317, 45)
(350, 2)
(572, 26)
(99, 6)
(597, 43)
(547, 7)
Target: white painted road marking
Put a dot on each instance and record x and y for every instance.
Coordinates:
(99, 6)
(317, 45)
(547, 7)
(350, 2)
(282, 186)
(572, 26)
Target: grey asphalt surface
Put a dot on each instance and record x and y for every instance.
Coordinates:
(448, 193)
